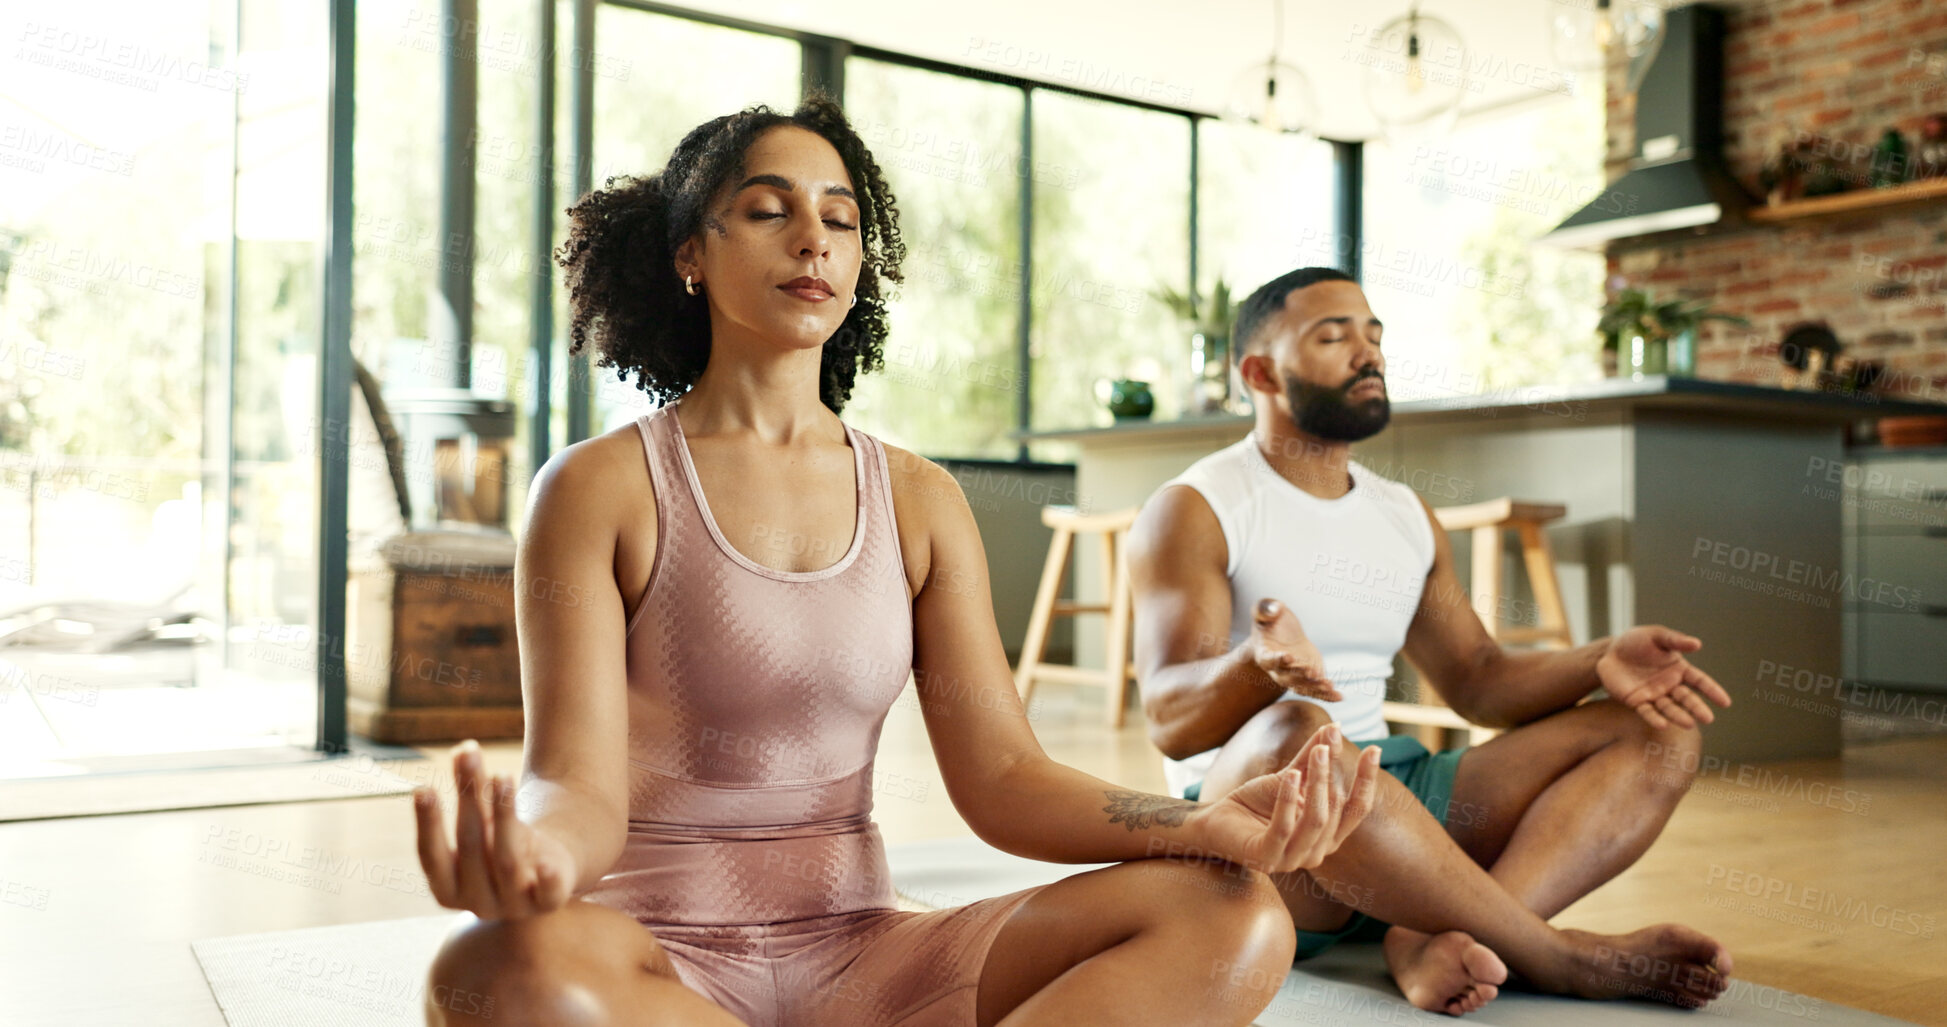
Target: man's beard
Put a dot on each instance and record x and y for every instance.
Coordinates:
(1322, 411)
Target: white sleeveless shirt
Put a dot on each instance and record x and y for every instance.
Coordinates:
(1351, 569)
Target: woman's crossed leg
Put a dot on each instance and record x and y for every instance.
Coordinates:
(1146, 942)
(1151, 941)
(583, 965)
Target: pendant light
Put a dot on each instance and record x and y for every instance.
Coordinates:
(1581, 33)
(1416, 73)
(1272, 94)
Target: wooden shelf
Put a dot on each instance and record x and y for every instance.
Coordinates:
(1926, 191)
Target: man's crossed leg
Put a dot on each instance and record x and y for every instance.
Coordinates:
(1537, 818)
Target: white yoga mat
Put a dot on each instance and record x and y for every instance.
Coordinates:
(374, 973)
(1348, 984)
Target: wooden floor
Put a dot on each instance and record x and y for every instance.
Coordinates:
(1823, 877)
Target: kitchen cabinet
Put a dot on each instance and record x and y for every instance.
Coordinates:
(1896, 555)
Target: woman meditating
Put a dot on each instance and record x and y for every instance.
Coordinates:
(718, 606)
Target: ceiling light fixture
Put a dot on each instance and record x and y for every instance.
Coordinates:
(1272, 94)
(1416, 73)
(1582, 33)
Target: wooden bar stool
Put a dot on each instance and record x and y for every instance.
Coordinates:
(1117, 670)
(1487, 521)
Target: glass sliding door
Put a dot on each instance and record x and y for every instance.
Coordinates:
(951, 150)
(1111, 226)
(396, 242)
(159, 275)
(1266, 204)
(1470, 304)
(276, 431)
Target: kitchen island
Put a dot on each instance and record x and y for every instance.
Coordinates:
(1703, 505)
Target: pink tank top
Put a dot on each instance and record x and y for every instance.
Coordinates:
(756, 698)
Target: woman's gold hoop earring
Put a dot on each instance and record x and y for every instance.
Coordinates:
(689, 286)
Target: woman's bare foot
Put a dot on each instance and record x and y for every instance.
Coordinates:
(1665, 963)
(1444, 973)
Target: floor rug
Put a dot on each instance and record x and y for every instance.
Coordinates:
(374, 973)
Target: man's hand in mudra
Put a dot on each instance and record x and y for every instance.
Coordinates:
(1644, 669)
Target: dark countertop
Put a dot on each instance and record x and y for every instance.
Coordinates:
(1658, 392)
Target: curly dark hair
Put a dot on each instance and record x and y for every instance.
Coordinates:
(620, 256)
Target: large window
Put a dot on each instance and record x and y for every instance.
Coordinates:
(951, 149)
(1105, 237)
(505, 169)
(1264, 202)
(1470, 303)
(1111, 213)
(159, 341)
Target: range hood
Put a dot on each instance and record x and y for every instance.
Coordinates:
(1676, 179)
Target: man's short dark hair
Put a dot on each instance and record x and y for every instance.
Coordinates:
(1261, 306)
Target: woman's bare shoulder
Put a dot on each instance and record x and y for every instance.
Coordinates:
(919, 485)
(922, 492)
(604, 477)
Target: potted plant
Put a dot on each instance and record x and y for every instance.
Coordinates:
(1208, 319)
(1655, 338)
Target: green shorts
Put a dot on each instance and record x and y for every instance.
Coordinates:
(1429, 776)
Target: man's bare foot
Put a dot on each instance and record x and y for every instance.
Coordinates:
(1665, 963)
(1444, 973)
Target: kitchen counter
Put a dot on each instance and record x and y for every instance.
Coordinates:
(1699, 504)
(1657, 392)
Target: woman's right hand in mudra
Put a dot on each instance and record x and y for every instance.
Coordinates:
(498, 867)
(1293, 818)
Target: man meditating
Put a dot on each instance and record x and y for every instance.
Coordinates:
(1276, 579)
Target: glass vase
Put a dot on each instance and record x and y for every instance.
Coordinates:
(1647, 357)
(1680, 360)
(1209, 385)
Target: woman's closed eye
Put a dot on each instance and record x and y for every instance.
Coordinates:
(771, 215)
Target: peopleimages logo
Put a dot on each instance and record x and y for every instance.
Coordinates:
(1843, 909)
(1675, 762)
(1783, 683)
(1785, 574)
(118, 60)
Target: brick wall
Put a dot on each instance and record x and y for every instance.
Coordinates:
(1844, 70)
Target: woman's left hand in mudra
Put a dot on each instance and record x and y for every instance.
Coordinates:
(1291, 819)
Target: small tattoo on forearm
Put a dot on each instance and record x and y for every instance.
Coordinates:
(1141, 809)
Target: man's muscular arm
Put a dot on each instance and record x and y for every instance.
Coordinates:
(1644, 668)
(1197, 688)
(1481, 681)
